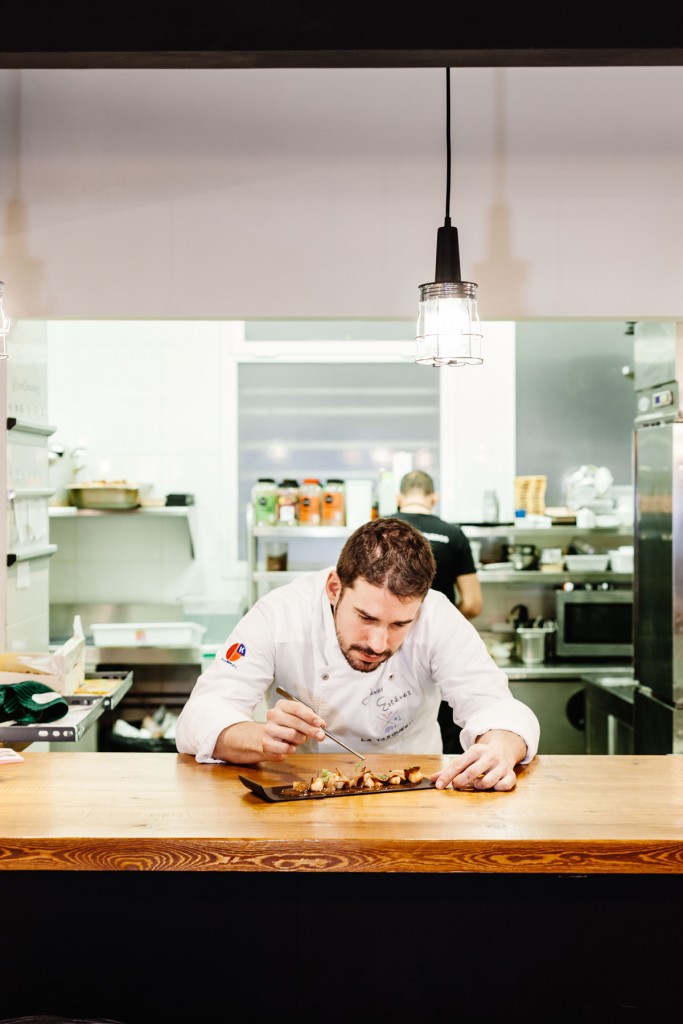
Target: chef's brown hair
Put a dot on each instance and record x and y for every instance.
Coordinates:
(388, 553)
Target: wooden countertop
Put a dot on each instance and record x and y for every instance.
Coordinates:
(164, 812)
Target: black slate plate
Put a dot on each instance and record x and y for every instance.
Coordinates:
(278, 794)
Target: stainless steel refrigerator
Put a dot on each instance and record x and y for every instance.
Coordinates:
(658, 578)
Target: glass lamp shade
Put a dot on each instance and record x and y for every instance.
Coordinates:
(5, 324)
(448, 327)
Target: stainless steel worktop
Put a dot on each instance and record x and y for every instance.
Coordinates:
(516, 669)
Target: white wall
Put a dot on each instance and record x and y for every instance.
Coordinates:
(316, 193)
(152, 403)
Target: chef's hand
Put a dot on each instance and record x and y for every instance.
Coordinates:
(289, 724)
(487, 764)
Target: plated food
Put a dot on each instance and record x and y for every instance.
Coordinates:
(326, 782)
(361, 782)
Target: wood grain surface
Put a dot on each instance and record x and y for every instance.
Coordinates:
(165, 812)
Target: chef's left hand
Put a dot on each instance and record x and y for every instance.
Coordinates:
(487, 764)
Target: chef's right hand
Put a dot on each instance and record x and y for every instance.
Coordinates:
(289, 724)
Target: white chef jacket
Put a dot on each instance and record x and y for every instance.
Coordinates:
(288, 639)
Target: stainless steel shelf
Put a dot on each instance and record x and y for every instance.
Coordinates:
(263, 576)
(304, 532)
(541, 537)
(522, 576)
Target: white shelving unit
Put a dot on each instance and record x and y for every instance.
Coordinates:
(258, 533)
(554, 536)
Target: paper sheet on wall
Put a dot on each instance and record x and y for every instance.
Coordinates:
(23, 575)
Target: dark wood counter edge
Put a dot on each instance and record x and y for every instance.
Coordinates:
(520, 857)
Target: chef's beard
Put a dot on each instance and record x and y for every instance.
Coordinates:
(362, 666)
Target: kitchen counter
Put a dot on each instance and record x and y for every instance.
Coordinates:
(175, 890)
(164, 812)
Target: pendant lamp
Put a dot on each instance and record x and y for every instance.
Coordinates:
(5, 324)
(448, 328)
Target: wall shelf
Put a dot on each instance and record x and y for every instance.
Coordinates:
(521, 576)
(303, 532)
(185, 512)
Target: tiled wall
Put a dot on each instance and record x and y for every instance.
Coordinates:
(144, 402)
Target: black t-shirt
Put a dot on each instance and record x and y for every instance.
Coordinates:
(451, 548)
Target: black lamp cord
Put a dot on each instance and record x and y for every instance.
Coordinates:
(447, 251)
(448, 146)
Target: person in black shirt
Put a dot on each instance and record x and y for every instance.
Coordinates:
(456, 574)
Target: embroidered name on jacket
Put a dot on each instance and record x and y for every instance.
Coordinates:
(385, 711)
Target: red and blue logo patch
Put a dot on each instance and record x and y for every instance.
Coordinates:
(234, 653)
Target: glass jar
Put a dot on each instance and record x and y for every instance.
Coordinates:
(288, 503)
(264, 500)
(309, 502)
(332, 504)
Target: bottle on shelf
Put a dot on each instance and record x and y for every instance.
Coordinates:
(264, 500)
(288, 503)
(309, 502)
(332, 504)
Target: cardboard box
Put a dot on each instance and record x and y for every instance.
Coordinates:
(63, 670)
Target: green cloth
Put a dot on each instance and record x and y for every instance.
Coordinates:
(18, 703)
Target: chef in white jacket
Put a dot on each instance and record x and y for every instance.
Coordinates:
(374, 651)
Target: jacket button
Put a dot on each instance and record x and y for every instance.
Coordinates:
(391, 675)
(325, 676)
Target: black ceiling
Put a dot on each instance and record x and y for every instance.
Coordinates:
(304, 33)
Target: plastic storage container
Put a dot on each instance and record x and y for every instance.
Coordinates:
(264, 499)
(332, 504)
(309, 502)
(288, 503)
(147, 634)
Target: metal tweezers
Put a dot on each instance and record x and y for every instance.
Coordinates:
(290, 696)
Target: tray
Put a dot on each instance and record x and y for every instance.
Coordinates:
(279, 794)
(84, 710)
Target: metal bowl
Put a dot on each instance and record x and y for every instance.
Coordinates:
(104, 496)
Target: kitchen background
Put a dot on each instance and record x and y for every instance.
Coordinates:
(151, 216)
(128, 404)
